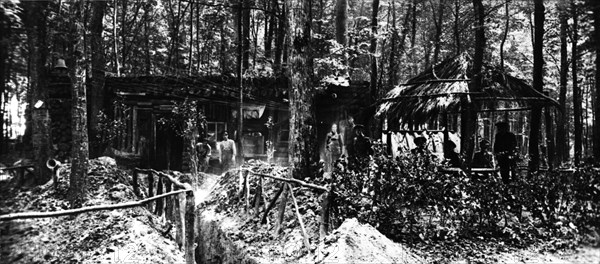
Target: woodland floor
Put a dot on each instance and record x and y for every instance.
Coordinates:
(137, 236)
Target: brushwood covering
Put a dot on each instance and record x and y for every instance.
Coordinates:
(444, 88)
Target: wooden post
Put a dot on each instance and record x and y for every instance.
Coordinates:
(258, 197)
(247, 194)
(136, 187)
(324, 220)
(150, 188)
(159, 203)
(190, 221)
(178, 220)
(272, 204)
(306, 241)
(168, 202)
(280, 214)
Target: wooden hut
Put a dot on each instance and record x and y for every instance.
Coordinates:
(141, 101)
(443, 90)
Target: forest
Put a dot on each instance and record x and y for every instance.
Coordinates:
(382, 111)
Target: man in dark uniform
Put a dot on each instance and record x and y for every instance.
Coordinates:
(505, 149)
(484, 158)
(362, 144)
(349, 137)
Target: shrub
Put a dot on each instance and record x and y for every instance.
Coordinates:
(409, 199)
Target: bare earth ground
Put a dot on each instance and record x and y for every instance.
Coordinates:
(137, 236)
(117, 236)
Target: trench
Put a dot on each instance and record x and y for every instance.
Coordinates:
(213, 243)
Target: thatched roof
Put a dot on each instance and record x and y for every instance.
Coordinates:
(444, 87)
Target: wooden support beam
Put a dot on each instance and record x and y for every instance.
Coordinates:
(32, 215)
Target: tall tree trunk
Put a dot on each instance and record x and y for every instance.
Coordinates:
(551, 146)
(505, 34)
(246, 33)
(538, 84)
(302, 150)
(80, 155)
(279, 41)
(115, 38)
(392, 75)
(438, 32)
(123, 32)
(578, 124)
(469, 117)
(4, 73)
(191, 48)
(272, 26)
(341, 22)
(147, 60)
(373, 50)
(457, 26)
(96, 86)
(37, 36)
(562, 124)
(596, 38)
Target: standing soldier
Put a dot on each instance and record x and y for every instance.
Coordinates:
(348, 137)
(227, 152)
(505, 148)
(204, 151)
(334, 146)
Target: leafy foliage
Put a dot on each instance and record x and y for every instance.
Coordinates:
(409, 199)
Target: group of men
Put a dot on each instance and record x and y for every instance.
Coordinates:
(226, 149)
(353, 143)
(504, 152)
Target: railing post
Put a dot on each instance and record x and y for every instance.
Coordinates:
(159, 190)
(325, 214)
(168, 202)
(150, 188)
(136, 187)
(190, 228)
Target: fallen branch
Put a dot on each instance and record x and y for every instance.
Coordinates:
(32, 215)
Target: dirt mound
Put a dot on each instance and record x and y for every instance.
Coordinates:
(353, 242)
(228, 234)
(115, 236)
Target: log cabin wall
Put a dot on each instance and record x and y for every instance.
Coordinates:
(147, 99)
